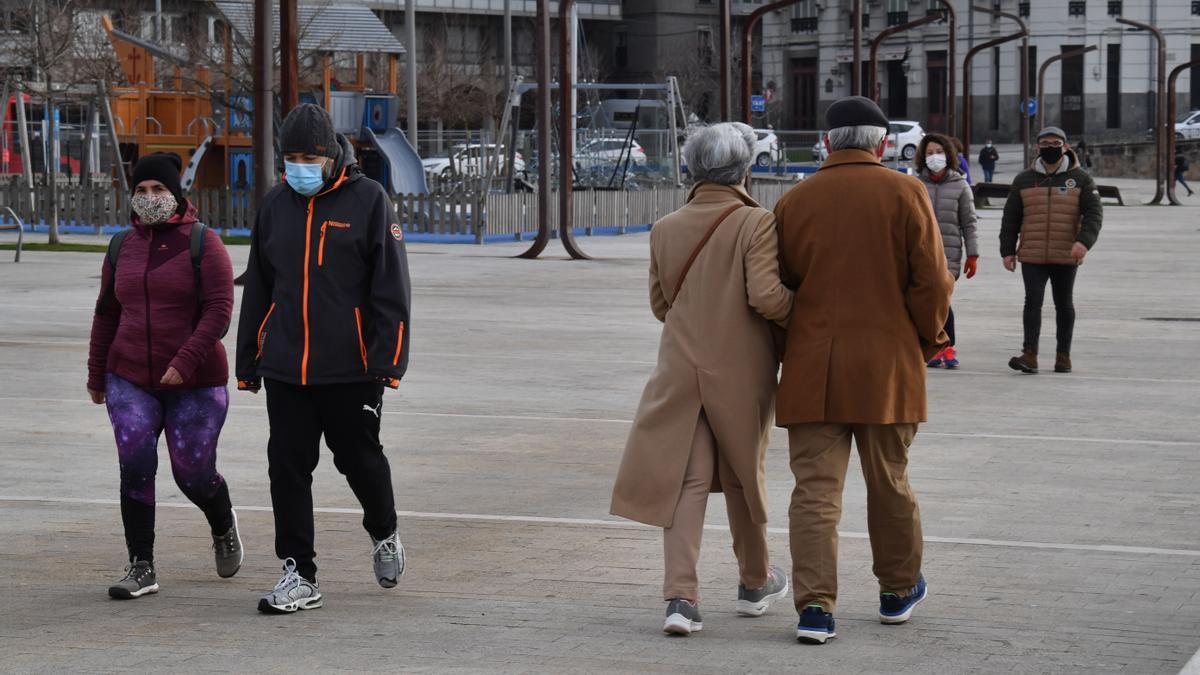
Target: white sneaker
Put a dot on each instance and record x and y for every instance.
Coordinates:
(292, 593)
(388, 557)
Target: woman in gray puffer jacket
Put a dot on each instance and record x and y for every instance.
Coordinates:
(954, 206)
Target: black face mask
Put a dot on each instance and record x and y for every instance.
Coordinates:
(1050, 155)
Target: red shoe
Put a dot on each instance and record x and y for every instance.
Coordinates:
(950, 358)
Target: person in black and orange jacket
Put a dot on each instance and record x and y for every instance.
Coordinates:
(325, 323)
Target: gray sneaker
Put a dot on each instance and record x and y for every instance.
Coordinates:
(683, 618)
(755, 602)
(293, 592)
(388, 557)
(139, 580)
(227, 549)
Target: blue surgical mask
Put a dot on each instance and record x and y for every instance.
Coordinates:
(306, 179)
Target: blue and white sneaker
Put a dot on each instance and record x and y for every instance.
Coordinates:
(895, 609)
(816, 625)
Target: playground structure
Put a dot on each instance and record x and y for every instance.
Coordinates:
(208, 126)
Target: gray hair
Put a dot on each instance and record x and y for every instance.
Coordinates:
(721, 153)
(862, 137)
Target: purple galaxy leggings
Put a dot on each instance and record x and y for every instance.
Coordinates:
(192, 419)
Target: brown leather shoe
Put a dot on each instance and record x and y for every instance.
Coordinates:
(1062, 363)
(1026, 362)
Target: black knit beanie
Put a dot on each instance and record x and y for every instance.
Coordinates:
(308, 128)
(165, 168)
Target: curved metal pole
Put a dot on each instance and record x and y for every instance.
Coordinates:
(1023, 35)
(726, 23)
(545, 161)
(856, 71)
(883, 35)
(1041, 83)
(967, 83)
(566, 134)
(1171, 120)
(1160, 116)
(748, 47)
(951, 40)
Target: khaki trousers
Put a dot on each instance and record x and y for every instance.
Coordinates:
(681, 541)
(820, 453)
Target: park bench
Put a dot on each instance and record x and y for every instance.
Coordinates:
(15, 225)
(986, 191)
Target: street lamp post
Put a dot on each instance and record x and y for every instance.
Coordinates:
(545, 161)
(856, 72)
(1022, 35)
(883, 35)
(748, 47)
(726, 22)
(1170, 121)
(1041, 83)
(952, 38)
(1160, 123)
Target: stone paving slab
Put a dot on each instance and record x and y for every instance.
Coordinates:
(1060, 511)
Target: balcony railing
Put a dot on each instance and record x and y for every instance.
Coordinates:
(806, 24)
(897, 18)
(1077, 8)
(1023, 9)
(1115, 8)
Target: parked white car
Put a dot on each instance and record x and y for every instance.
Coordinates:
(471, 160)
(766, 148)
(1188, 125)
(609, 151)
(903, 137)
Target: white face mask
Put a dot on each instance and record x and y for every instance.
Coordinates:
(935, 162)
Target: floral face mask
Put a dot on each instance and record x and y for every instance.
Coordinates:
(154, 209)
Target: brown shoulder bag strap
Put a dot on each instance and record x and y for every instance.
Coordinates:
(699, 247)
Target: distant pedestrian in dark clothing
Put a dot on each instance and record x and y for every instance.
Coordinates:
(987, 160)
(1181, 169)
(1085, 156)
(964, 164)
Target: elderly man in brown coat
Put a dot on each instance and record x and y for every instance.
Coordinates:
(860, 246)
(705, 416)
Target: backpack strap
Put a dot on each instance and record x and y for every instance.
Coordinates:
(196, 250)
(110, 258)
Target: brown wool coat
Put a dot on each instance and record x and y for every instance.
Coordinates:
(861, 246)
(716, 354)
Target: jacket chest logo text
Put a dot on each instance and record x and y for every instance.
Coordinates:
(334, 223)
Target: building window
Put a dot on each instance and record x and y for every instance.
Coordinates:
(1114, 86)
(866, 19)
(1023, 9)
(1114, 8)
(621, 50)
(897, 18)
(704, 45)
(1195, 7)
(804, 17)
(1077, 8)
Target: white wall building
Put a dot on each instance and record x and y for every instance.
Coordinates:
(1102, 94)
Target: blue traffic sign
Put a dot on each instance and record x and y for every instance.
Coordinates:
(1030, 107)
(758, 103)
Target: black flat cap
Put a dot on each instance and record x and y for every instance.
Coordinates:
(854, 111)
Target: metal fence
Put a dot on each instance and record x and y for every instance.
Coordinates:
(453, 216)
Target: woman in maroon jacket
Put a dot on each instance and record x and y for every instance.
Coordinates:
(156, 359)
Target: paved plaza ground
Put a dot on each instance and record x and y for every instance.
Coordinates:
(1061, 511)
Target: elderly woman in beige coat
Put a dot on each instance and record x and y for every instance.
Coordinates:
(705, 416)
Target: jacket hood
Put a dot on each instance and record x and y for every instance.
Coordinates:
(189, 216)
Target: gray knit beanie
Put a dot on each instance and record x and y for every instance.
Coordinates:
(308, 128)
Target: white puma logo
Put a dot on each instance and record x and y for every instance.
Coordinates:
(374, 411)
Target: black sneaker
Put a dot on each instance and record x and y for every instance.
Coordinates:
(227, 551)
(895, 609)
(683, 618)
(139, 580)
(816, 625)
(755, 602)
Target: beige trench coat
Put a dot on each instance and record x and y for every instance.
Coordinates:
(716, 353)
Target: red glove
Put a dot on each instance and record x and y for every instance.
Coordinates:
(972, 266)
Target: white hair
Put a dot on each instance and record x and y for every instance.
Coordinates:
(861, 137)
(720, 153)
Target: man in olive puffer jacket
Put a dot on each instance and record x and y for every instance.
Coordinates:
(1051, 220)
